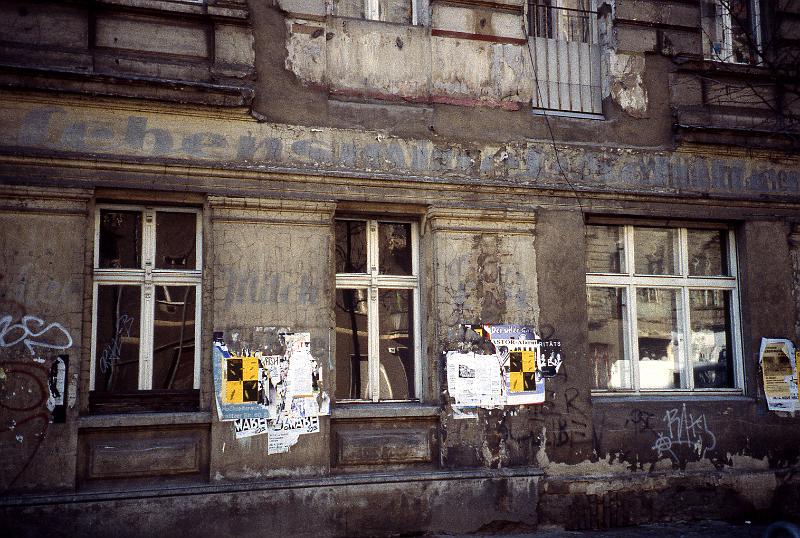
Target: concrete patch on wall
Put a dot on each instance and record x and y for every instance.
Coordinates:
(306, 51)
(794, 243)
(627, 85)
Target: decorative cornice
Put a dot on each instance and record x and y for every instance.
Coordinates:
(505, 221)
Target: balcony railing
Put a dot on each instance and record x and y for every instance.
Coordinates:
(566, 58)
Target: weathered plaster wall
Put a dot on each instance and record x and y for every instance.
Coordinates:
(271, 268)
(42, 245)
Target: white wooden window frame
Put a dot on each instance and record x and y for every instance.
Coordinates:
(147, 278)
(724, 24)
(372, 11)
(373, 281)
(629, 281)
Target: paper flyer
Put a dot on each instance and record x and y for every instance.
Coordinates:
(474, 380)
(779, 368)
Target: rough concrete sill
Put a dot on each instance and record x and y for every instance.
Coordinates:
(383, 410)
(615, 397)
(143, 419)
(276, 484)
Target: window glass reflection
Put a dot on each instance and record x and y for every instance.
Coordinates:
(707, 253)
(352, 365)
(394, 246)
(351, 246)
(607, 327)
(605, 249)
(661, 365)
(117, 337)
(120, 239)
(396, 316)
(176, 240)
(656, 251)
(173, 337)
(710, 344)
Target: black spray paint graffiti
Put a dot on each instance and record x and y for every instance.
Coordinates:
(683, 429)
(113, 348)
(33, 332)
(23, 395)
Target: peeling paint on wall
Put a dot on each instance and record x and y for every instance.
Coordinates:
(627, 86)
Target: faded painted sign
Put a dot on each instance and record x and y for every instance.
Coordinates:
(31, 126)
(780, 374)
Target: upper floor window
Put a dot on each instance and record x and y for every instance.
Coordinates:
(566, 55)
(377, 310)
(732, 30)
(662, 306)
(146, 307)
(396, 11)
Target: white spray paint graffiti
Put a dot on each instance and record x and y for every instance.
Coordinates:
(33, 332)
(683, 429)
(112, 350)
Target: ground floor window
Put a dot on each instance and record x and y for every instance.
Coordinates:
(377, 310)
(663, 307)
(146, 302)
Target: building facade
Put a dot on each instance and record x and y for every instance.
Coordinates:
(620, 176)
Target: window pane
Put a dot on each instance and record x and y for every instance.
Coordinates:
(117, 352)
(394, 248)
(351, 246)
(120, 239)
(607, 327)
(708, 252)
(661, 365)
(176, 241)
(656, 251)
(352, 369)
(396, 315)
(173, 337)
(740, 27)
(710, 345)
(605, 249)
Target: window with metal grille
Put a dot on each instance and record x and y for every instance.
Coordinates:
(563, 38)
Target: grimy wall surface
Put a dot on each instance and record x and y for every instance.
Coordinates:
(273, 119)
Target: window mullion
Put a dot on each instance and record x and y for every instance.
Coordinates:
(146, 337)
(198, 332)
(633, 322)
(685, 321)
(633, 335)
(373, 327)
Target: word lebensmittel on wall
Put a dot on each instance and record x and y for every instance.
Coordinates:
(268, 382)
(504, 364)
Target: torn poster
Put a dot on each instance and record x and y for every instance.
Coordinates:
(248, 427)
(287, 430)
(57, 383)
(780, 374)
(518, 348)
(512, 351)
(268, 382)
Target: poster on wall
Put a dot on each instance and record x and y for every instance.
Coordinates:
(779, 368)
(507, 365)
(268, 382)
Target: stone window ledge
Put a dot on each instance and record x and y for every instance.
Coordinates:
(144, 419)
(367, 410)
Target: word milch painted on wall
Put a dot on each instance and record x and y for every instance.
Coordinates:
(271, 388)
(498, 365)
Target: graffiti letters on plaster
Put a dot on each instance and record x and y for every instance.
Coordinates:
(33, 332)
(683, 429)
